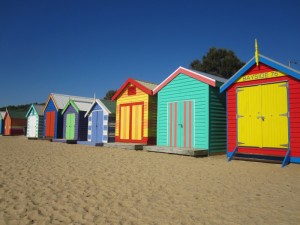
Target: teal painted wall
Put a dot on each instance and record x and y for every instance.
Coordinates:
(217, 121)
(182, 88)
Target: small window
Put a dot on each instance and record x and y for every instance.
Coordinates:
(132, 90)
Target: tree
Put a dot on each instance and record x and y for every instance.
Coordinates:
(109, 94)
(220, 62)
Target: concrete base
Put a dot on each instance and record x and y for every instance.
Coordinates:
(89, 143)
(129, 146)
(179, 151)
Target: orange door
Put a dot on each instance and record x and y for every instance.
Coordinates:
(7, 127)
(50, 122)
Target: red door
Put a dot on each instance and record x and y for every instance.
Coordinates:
(50, 121)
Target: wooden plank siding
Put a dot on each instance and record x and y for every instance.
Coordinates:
(124, 98)
(182, 88)
(294, 109)
(217, 121)
(58, 123)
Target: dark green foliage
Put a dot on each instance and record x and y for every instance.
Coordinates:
(19, 107)
(220, 62)
(109, 94)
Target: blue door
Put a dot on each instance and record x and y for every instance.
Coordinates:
(97, 126)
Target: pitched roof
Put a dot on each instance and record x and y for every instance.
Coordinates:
(2, 114)
(265, 60)
(107, 105)
(60, 100)
(145, 86)
(16, 114)
(38, 108)
(80, 104)
(201, 76)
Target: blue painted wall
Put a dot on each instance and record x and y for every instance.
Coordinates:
(58, 129)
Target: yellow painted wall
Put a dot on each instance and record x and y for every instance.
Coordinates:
(124, 98)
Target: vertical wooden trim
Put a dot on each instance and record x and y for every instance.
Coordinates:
(171, 117)
(184, 124)
(175, 124)
(190, 124)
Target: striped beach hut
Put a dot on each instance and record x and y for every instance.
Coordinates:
(2, 114)
(263, 111)
(136, 112)
(35, 121)
(191, 114)
(75, 124)
(15, 122)
(101, 122)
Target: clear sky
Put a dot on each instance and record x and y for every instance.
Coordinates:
(86, 47)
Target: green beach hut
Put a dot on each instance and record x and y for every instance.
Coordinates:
(191, 114)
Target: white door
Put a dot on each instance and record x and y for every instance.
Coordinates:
(32, 127)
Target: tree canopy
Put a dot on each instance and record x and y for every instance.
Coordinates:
(220, 62)
(109, 94)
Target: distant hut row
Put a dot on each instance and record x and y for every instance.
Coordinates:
(188, 113)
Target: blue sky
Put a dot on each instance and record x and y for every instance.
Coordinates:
(86, 47)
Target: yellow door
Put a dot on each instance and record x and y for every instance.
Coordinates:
(262, 116)
(124, 122)
(137, 114)
(249, 109)
(275, 113)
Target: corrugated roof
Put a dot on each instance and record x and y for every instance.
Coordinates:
(17, 114)
(2, 114)
(39, 109)
(220, 79)
(110, 105)
(61, 100)
(148, 85)
(83, 104)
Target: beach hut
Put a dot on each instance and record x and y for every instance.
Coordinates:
(191, 114)
(75, 124)
(35, 121)
(2, 114)
(136, 112)
(53, 118)
(101, 122)
(15, 122)
(263, 112)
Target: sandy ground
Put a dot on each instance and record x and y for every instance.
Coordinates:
(53, 183)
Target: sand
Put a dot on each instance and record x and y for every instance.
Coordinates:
(54, 183)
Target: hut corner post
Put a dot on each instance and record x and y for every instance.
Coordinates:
(232, 154)
(287, 158)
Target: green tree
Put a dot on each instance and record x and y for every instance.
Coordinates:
(109, 94)
(220, 62)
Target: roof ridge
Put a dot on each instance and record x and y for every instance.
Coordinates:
(71, 95)
(145, 81)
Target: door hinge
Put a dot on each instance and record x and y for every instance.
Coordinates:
(239, 116)
(285, 114)
(240, 143)
(239, 90)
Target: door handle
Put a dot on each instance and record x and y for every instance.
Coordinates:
(261, 117)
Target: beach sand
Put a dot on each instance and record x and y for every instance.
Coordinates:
(54, 183)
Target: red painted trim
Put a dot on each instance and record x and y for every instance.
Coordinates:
(190, 125)
(175, 124)
(143, 141)
(193, 74)
(171, 144)
(134, 82)
(184, 125)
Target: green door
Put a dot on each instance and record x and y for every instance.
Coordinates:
(181, 124)
(70, 126)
